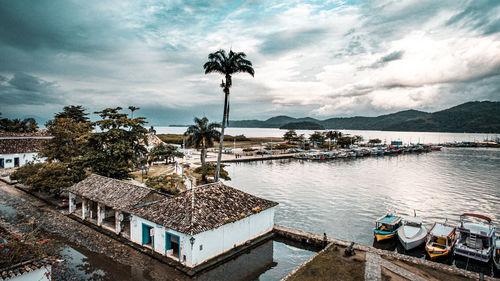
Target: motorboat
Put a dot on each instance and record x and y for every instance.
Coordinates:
(412, 233)
(386, 227)
(475, 239)
(496, 254)
(440, 240)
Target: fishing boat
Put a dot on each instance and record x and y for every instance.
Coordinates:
(386, 227)
(475, 240)
(412, 234)
(496, 254)
(440, 240)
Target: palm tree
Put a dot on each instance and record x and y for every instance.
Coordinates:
(202, 135)
(226, 65)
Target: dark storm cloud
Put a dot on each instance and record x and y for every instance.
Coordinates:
(285, 41)
(24, 89)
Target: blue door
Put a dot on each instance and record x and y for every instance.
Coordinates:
(172, 242)
(146, 234)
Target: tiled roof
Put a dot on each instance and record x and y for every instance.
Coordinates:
(214, 205)
(39, 133)
(23, 145)
(154, 140)
(113, 193)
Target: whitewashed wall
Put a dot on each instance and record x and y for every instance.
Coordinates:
(228, 236)
(24, 158)
(214, 242)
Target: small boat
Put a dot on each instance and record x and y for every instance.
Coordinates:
(412, 234)
(475, 240)
(440, 240)
(386, 227)
(496, 254)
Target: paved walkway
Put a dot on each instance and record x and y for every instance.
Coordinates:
(373, 271)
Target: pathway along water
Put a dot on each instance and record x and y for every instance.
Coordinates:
(344, 197)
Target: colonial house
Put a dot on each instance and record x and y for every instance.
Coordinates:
(192, 227)
(16, 150)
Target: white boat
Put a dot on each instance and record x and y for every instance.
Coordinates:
(412, 234)
(496, 254)
(475, 240)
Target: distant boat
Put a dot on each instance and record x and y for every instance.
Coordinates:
(436, 147)
(475, 240)
(440, 240)
(412, 234)
(386, 227)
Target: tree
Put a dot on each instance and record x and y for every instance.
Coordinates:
(202, 135)
(169, 184)
(332, 135)
(345, 141)
(17, 125)
(68, 129)
(374, 141)
(163, 151)
(74, 112)
(226, 65)
(290, 135)
(117, 148)
(209, 169)
(318, 137)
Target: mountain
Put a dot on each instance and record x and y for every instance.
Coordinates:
(302, 125)
(472, 117)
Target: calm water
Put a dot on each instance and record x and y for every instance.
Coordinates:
(387, 136)
(344, 197)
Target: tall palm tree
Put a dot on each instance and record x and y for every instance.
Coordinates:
(202, 135)
(226, 65)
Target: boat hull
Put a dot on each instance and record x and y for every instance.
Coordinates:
(410, 243)
(435, 254)
(382, 236)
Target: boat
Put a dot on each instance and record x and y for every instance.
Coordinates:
(412, 234)
(440, 240)
(496, 254)
(475, 239)
(386, 227)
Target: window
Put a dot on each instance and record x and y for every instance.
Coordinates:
(201, 247)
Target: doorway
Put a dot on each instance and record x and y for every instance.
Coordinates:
(172, 245)
(16, 162)
(147, 235)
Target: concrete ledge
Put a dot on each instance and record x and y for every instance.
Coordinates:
(255, 158)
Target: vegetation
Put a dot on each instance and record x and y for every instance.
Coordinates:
(226, 65)
(290, 136)
(169, 184)
(27, 125)
(473, 117)
(317, 137)
(164, 152)
(117, 148)
(74, 112)
(374, 141)
(303, 125)
(208, 170)
(202, 135)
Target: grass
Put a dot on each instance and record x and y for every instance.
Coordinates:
(156, 170)
(332, 265)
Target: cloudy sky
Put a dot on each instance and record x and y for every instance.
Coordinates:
(311, 58)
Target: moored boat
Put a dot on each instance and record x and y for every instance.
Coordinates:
(496, 254)
(412, 234)
(386, 227)
(475, 240)
(440, 240)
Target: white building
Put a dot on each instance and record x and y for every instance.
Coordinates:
(194, 229)
(190, 228)
(17, 150)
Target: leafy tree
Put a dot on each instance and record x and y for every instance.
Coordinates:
(49, 177)
(163, 151)
(226, 65)
(74, 112)
(318, 137)
(116, 149)
(169, 184)
(202, 135)
(345, 141)
(209, 169)
(17, 125)
(375, 141)
(290, 135)
(68, 129)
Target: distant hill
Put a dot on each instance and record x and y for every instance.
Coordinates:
(472, 117)
(303, 125)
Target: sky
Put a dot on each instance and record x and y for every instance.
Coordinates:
(311, 58)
